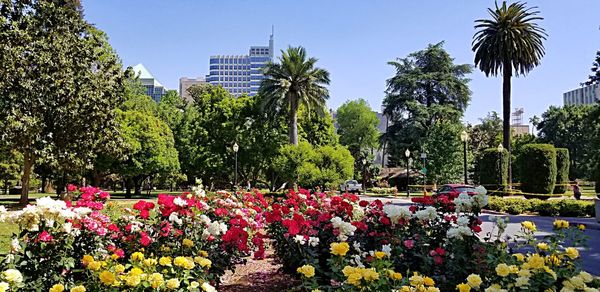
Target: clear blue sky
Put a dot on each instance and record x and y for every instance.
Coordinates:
(354, 40)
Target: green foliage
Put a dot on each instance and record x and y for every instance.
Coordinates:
(59, 81)
(518, 143)
(562, 208)
(316, 128)
(595, 76)
(325, 166)
(538, 168)
(294, 81)
(562, 170)
(570, 127)
(428, 88)
(445, 152)
(493, 168)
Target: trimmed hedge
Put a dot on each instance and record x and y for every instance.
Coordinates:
(493, 168)
(538, 168)
(562, 170)
(562, 208)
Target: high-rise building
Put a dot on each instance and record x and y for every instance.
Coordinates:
(185, 83)
(584, 95)
(153, 88)
(240, 74)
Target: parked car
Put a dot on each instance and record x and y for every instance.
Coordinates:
(456, 189)
(351, 186)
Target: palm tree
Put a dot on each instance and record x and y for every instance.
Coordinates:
(534, 121)
(510, 42)
(293, 81)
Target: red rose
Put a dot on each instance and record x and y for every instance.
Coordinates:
(45, 236)
(145, 240)
(409, 243)
(438, 260)
(71, 188)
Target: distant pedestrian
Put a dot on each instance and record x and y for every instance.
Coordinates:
(576, 190)
(248, 186)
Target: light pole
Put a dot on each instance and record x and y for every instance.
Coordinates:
(364, 162)
(424, 157)
(464, 137)
(407, 154)
(235, 150)
(500, 150)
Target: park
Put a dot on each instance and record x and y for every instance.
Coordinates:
(110, 182)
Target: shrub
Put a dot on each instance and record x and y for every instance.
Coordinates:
(493, 168)
(562, 170)
(562, 208)
(538, 168)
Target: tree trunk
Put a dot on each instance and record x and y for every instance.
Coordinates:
(128, 189)
(138, 186)
(44, 179)
(27, 165)
(293, 121)
(506, 111)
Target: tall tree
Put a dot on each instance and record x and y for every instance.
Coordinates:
(428, 88)
(293, 81)
(357, 127)
(510, 42)
(595, 76)
(59, 83)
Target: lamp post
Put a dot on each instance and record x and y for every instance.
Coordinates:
(407, 154)
(424, 157)
(464, 137)
(235, 150)
(364, 162)
(500, 150)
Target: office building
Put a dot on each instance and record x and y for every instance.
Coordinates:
(240, 74)
(153, 88)
(584, 95)
(185, 83)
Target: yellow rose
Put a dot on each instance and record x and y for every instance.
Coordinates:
(462, 287)
(581, 227)
(79, 288)
(542, 246)
(187, 243)
(535, 261)
(206, 287)
(559, 224)
(405, 289)
(173, 283)
(189, 263)
(194, 285)
(354, 279)
(502, 270)
(528, 225)
(370, 274)
(94, 266)
(394, 275)
(13, 276)
(203, 262)
(428, 281)
(56, 288)
(339, 248)
(520, 257)
(119, 268)
(522, 281)
(586, 277)
(572, 252)
(150, 262)
(474, 280)
(307, 271)
(156, 280)
(137, 256)
(379, 255)
(87, 259)
(203, 253)
(180, 261)
(107, 278)
(432, 289)
(133, 280)
(416, 280)
(164, 261)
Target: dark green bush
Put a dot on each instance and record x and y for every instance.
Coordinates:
(493, 168)
(562, 208)
(562, 170)
(538, 168)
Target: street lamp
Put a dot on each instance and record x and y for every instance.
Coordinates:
(500, 150)
(235, 150)
(464, 137)
(364, 162)
(407, 154)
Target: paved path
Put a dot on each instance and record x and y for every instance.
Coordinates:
(590, 256)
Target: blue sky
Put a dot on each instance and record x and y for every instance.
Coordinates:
(353, 40)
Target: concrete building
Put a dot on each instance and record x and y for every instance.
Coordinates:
(185, 83)
(584, 95)
(153, 88)
(241, 74)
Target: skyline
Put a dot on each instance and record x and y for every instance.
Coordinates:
(353, 43)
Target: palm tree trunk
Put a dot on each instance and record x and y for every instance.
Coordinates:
(293, 121)
(506, 133)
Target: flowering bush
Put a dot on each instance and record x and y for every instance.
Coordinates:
(342, 243)
(184, 242)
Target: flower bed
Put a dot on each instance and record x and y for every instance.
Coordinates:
(330, 242)
(341, 243)
(182, 242)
